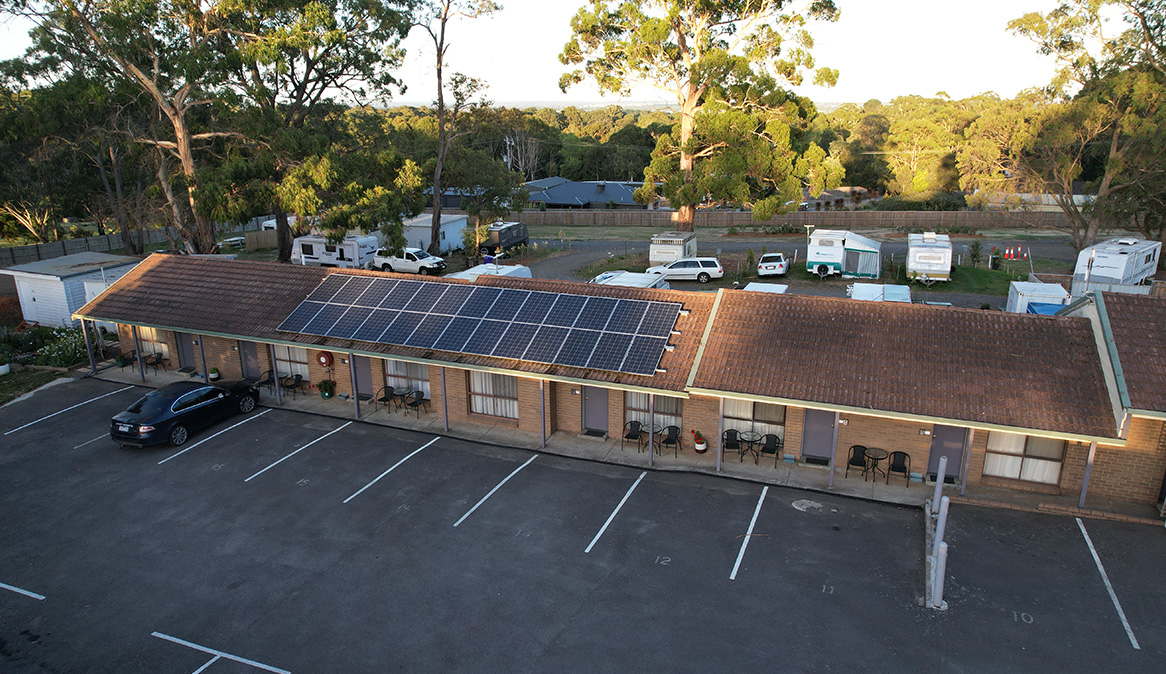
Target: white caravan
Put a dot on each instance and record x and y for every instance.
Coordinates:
(355, 251)
(1124, 261)
(929, 257)
(833, 251)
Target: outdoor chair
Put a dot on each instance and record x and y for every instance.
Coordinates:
(857, 460)
(633, 430)
(155, 360)
(415, 401)
(900, 462)
(294, 385)
(771, 444)
(383, 397)
(131, 359)
(671, 438)
(731, 441)
(266, 380)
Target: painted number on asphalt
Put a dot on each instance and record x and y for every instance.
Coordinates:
(217, 466)
(302, 482)
(663, 561)
(1022, 618)
(827, 589)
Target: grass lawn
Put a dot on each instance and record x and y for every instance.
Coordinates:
(23, 380)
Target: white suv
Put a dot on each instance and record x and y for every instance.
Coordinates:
(412, 261)
(690, 268)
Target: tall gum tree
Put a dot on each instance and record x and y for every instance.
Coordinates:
(730, 52)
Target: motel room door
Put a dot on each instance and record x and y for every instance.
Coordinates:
(947, 441)
(818, 436)
(185, 350)
(594, 410)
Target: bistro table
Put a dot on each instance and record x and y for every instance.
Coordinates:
(750, 439)
(875, 455)
(401, 393)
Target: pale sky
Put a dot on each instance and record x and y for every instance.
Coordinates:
(882, 50)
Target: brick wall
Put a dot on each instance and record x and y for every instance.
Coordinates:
(1132, 473)
(567, 410)
(889, 434)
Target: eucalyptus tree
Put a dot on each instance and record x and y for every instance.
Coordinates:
(727, 56)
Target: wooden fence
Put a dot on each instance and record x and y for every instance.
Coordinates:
(44, 251)
(888, 220)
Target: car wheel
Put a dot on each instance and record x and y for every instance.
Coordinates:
(386, 267)
(246, 404)
(424, 271)
(178, 435)
(823, 270)
(703, 277)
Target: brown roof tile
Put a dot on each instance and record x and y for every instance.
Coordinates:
(1138, 325)
(1015, 370)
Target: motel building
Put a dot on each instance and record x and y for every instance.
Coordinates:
(1070, 407)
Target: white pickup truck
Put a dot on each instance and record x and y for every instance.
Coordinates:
(411, 261)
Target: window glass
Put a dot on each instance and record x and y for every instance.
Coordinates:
(1045, 448)
(186, 402)
(708, 263)
(400, 374)
(762, 418)
(307, 249)
(291, 360)
(1022, 457)
(669, 411)
(152, 341)
(1005, 443)
(494, 394)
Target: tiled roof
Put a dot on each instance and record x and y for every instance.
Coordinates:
(1138, 325)
(250, 299)
(1015, 370)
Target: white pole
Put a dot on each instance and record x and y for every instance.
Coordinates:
(939, 477)
(940, 574)
(944, 504)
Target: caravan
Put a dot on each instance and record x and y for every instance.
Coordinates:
(1118, 261)
(929, 257)
(353, 252)
(833, 251)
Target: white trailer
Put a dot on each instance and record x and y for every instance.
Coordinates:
(1124, 261)
(355, 251)
(833, 251)
(671, 246)
(878, 292)
(929, 257)
(472, 274)
(1023, 293)
(628, 279)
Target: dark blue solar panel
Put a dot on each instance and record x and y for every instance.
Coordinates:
(428, 332)
(627, 316)
(485, 337)
(659, 319)
(644, 355)
(400, 295)
(536, 307)
(566, 310)
(320, 324)
(610, 351)
(507, 305)
(577, 348)
(401, 328)
(480, 302)
(377, 291)
(300, 317)
(350, 322)
(426, 297)
(456, 335)
(546, 344)
(351, 290)
(375, 325)
(327, 288)
(452, 300)
(595, 313)
(515, 341)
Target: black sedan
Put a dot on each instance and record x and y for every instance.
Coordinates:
(171, 413)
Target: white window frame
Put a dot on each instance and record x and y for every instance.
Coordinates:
(403, 374)
(1012, 456)
(291, 360)
(490, 394)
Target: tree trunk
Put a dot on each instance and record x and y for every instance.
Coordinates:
(686, 212)
(199, 238)
(435, 226)
(283, 234)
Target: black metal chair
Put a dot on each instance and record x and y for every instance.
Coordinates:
(131, 359)
(294, 385)
(771, 444)
(857, 459)
(899, 462)
(415, 401)
(633, 430)
(730, 439)
(267, 381)
(155, 360)
(383, 397)
(671, 438)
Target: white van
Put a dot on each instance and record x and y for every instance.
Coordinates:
(353, 252)
(629, 279)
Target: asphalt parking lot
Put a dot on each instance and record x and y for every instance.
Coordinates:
(284, 541)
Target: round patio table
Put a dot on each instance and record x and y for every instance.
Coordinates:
(750, 439)
(876, 455)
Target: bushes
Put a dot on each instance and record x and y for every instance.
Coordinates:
(55, 347)
(925, 201)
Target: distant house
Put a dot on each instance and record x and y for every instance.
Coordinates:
(51, 290)
(588, 194)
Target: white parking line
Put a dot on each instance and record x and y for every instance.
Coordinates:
(616, 511)
(180, 453)
(210, 662)
(378, 477)
(748, 534)
(337, 430)
(26, 593)
(219, 654)
(1105, 578)
(67, 409)
(496, 488)
(90, 442)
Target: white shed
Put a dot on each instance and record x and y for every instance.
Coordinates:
(1023, 293)
(418, 231)
(51, 290)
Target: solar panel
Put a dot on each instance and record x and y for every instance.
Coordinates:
(566, 329)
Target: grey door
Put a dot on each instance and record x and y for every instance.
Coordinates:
(818, 436)
(946, 441)
(185, 350)
(594, 409)
(249, 353)
(363, 377)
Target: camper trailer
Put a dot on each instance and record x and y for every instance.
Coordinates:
(929, 257)
(353, 252)
(833, 251)
(671, 246)
(503, 236)
(1030, 297)
(620, 277)
(1124, 261)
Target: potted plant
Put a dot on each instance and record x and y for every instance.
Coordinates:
(699, 443)
(327, 388)
(214, 374)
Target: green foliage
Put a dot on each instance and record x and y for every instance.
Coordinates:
(924, 201)
(65, 348)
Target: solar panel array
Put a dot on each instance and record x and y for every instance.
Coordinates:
(602, 333)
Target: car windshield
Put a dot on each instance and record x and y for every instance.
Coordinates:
(772, 257)
(150, 404)
(421, 255)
